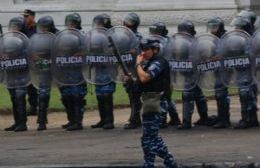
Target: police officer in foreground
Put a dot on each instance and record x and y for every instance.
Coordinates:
(18, 94)
(153, 71)
(133, 89)
(246, 94)
(73, 96)
(192, 95)
(44, 24)
(251, 15)
(30, 29)
(216, 27)
(104, 93)
(159, 28)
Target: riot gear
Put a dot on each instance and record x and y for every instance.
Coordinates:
(132, 21)
(187, 26)
(17, 24)
(159, 28)
(241, 23)
(102, 20)
(73, 20)
(150, 43)
(46, 24)
(248, 14)
(216, 26)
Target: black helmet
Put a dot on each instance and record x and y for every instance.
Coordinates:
(242, 23)
(73, 20)
(159, 28)
(251, 15)
(46, 22)
(187, 27)
(102, 20)
(149, 43)
(218, 23)
(17, 23)
(131, 20)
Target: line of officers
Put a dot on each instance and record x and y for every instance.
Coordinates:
(73, 97)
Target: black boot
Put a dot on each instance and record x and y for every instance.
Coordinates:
(21, 109)
(101, 110)
(136, 105)
(42, 115)
(202, 107)
(66, 101)
(15, 114)
(77, 107)
(245, 101)
(223, 113)
(32, 99)
(188, 106)
(108, 107)
(174, 117)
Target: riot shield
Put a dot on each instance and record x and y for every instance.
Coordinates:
(2, 74)
(236, 69)
(208, 62)
(182, 64)
(98, 59)
(255, 54)
(14, 60)
(40, 46)
(67, 57)
(127, 44)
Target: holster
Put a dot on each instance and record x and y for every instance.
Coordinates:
(151, 102)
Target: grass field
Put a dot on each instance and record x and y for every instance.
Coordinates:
(120, 98)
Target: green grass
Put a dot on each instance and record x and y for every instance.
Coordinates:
(120, 97)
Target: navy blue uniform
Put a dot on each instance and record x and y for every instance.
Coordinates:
(152, 143)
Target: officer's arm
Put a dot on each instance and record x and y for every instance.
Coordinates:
(144, 77)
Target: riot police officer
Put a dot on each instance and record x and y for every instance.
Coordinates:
(44, 24)
(104, 93)
(73, 96)
(246, 93)
(18, 94)
(153, 71)
(133, 89)
(216, 27)
(191, 95)
(159, 28)
(251, 15)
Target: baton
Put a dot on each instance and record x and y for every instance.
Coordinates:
(117, 54)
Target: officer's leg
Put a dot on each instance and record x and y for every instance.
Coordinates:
(77, 113)
(253, 110)
(188, 107)
(20, 102)
(244, 95)
(223, 103)
(174, 117)
(108, 108)
(101, 109)
(66, 101)
(157, 145)
(136, 105)
(32, 99)
(15, 114)
(202, 106)
(164, 108)
(44, 98)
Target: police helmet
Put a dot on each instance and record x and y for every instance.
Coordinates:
(187, 26)
(158, 28)
(251, 15)
(150, 43)
(46, 22)
(102, 20)
(242, 23)
(131, 20)
(73, 20)
(17, 23)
